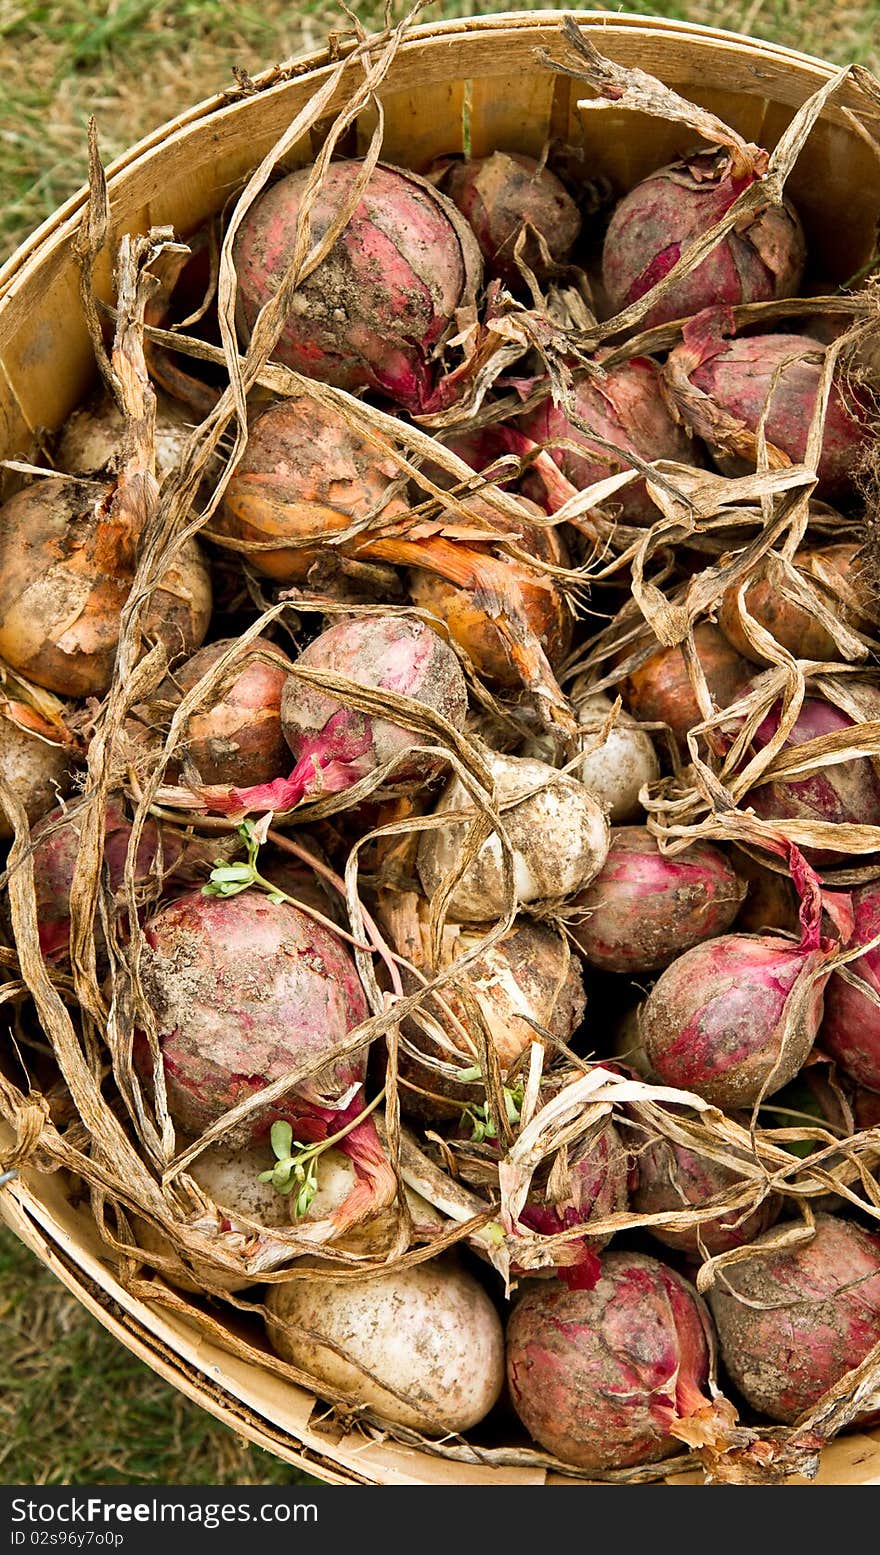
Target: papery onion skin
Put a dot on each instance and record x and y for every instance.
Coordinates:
(498, 194)
(673, 1178)
(597, 1182)
(660, 690)
(243, 989)
(846, 792)
(598, 1377)
(374, 312)
(37, 772)
(559, 837)
(625, 407)
(65, 575)
(237, 736)
(617, 770)
(429, 1332)
(850, 1031)
(91, 439)
(717, 1020)
(793, 626)
(525, 984)
(814, 1313)
(644, 907)
(668, 210)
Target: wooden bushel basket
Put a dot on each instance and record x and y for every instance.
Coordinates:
(480, 79)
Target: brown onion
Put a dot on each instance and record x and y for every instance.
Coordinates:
(660, 690)
(238, 737)
(66, 568)
(37, 771)
(843, 587)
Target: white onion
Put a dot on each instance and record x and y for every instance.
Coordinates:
(559, 836)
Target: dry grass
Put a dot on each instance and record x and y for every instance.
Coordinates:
(75, 1408)
(136, 63)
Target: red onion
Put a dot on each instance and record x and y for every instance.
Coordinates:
(761, 258)
(601, 1378)
(735, 1018)
(498, 195)
(625, 407)
(376, 312)
(813, 1314)
(673, 1178)
(849, 791)
(244, 990)
(851, 1025)
(336, 745)
(644, 908)
(595, 1184)
(163, 854)
(721, 386)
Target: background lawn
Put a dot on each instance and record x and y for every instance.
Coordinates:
(75, 1408)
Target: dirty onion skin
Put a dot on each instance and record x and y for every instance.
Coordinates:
(243, 990)
(66, 567)
(851, 1024)
(306, 476)
(720, 387)
(376, 311)
(499, 195)
(644, 908)
(557, 832)
(796, 1320)
(735, 1018)
(601, 1378)
(624, 406)
(758, 260)
(334, 745)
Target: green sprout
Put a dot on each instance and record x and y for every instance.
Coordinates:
(295, 1167)
(296, 1164)
(231, 879)
(480, 1117)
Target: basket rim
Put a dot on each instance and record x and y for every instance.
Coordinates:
(276, 77)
